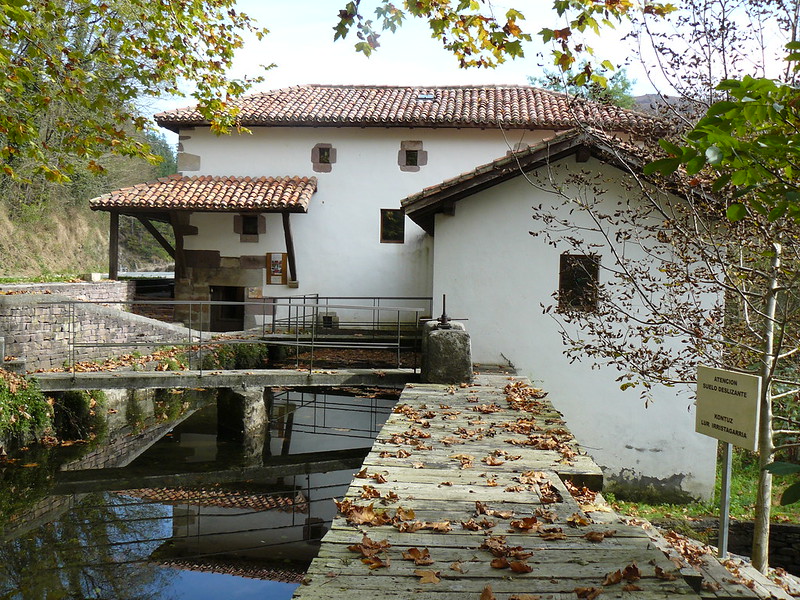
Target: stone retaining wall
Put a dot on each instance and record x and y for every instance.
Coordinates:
(101, 291)
(38, 328)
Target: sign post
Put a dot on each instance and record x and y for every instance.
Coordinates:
(728, 410)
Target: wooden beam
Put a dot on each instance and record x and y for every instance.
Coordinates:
(157, 235)
(113, 245)
(287, 233)
(179, 221)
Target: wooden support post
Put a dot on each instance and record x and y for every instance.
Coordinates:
(113, 246)
(157, 235)
(287, 233)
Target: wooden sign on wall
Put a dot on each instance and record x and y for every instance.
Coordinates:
(276, 268)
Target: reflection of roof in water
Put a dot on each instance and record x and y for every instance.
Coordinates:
(285, 573)
(222, 498)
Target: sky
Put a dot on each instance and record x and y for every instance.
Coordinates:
(301, 45)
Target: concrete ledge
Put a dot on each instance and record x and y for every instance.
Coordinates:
(60, 382)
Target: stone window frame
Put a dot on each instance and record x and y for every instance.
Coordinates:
(318, 158)
(578, 282)
(410, 148)
(384, 237)
(239, 227)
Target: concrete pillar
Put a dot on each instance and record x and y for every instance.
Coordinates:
(446, 354)
(254, 421)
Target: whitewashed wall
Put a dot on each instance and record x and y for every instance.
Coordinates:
(497, 275)
(337, 243)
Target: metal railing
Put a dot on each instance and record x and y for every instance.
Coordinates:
(296, 321)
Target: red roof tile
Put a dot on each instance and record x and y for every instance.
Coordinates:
(205, 193)
(456, 106)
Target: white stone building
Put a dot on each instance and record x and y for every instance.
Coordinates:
(310, 202)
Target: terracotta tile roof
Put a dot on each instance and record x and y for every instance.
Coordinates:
(176, 192)
(222, 498)
(453, 106)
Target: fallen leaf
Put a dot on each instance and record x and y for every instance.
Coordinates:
(420, 557)
(631, 587)
(456, 566)
(447, 483)
(519, 566)
(405, 514)
(487, 593)
(375, 562)
(501, 562)
(525, 523)
(590, 593)
(662, 574)
(362, 474)
(578, 520)
(631, 573)
(612, 578)
(525, 597)
(427, 576)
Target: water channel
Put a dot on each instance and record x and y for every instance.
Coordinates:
(189, 503)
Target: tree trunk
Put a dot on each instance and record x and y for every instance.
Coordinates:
(760, 555)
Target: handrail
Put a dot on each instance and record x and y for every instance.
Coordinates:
(297, 321)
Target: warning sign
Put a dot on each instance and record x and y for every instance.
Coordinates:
(728, 406)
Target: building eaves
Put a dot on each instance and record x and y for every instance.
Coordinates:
(212, 194)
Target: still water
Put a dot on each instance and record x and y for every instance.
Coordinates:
(212, 537)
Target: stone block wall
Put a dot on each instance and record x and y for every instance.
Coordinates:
(108, 292)
(39, 329)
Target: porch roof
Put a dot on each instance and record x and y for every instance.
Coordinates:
(212, 194)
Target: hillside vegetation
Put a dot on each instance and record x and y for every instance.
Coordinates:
(47, 229)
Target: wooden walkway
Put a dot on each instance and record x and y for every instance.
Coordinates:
(463, 496)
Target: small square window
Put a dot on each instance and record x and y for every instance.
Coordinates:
(393, 226)
(250, 224)
(324, 156)
(579, 277)
(412, 158)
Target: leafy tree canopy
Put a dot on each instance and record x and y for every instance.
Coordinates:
(748, 144)
(73, 69)
(615, 89)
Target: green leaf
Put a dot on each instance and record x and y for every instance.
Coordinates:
(665, 166)
(736, 212)
(695, 165)
(791, 494)
(778, 211)
(671, 148)
(720, 182)
(782, 468)
(720, 108)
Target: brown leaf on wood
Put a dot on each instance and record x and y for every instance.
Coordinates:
(501, 562)
(493, 461)
(420, 557)
(417, 465)
(491, 482)
(362, 474)
(519, 566)
(369, 547)
(631, 573)
(456, 566)
(578, 520)
(525, 523)
(447, 483)
(594, 536)
(589, 593)
(378, 477)
(552, 533)
(367, 492)
(464, 459)
(474, 525)
(409, 526)
(612, 578)
(438, 526)
(427, 576)
(524, 597)
(487, 594)
(515, 488)
(404, 514)
(389, 497)
(665, 575)
(631, 587)
(710, 586)
(376, 562)
(548, 516)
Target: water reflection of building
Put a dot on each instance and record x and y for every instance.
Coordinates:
(279, 520)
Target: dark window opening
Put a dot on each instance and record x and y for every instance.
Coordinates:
(227, 317)
(579, 277)
(412, 158)
(393, 226)
(249, 224)
(324, 156)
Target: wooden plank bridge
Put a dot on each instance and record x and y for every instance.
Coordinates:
(481, 492)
